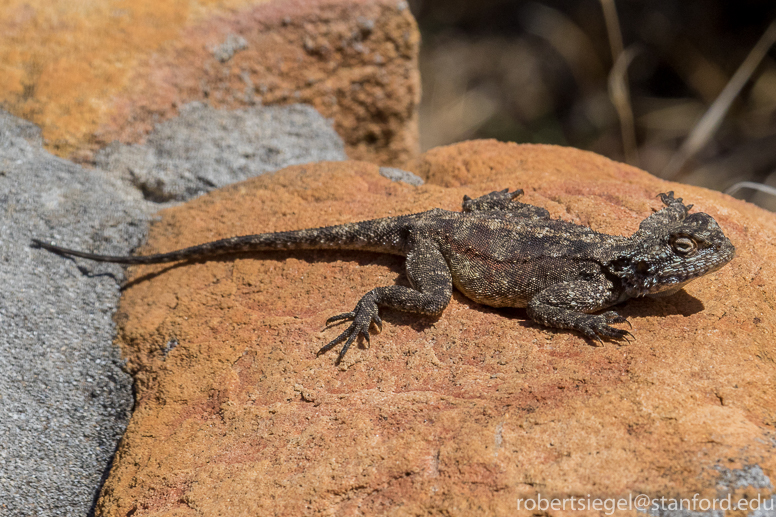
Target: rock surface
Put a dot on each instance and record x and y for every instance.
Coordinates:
(65, 398)
(205, 148)
(93, 72)
(458, 415)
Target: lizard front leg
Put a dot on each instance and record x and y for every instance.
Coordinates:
(432, 287)
(566, 305)
(504, 201)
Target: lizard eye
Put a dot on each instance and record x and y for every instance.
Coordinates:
(684, 245)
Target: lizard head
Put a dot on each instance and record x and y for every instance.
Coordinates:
(664, 261)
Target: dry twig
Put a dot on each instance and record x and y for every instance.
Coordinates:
(711, 120)
(619, 91)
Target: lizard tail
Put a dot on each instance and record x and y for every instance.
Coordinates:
(380, 235)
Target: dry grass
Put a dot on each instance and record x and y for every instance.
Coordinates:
(656, 87)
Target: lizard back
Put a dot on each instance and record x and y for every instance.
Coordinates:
(502, 261)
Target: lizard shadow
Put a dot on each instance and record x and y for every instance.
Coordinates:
(361, 258)
(89, 272)
(394, 263)
(681, 303)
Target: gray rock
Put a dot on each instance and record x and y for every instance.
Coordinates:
(231, 46)
(65, 399)
(395, 174)
(205, 148)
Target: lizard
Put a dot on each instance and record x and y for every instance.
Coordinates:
(499, 252)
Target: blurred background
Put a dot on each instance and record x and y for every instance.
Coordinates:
(683, 89)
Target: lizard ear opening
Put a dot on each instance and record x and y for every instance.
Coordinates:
(620, 264)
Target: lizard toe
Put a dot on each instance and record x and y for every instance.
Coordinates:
(595, 326)
(595, 338)
(606, 330)
(334, 342)
(340, 317)
(378, 323)
(613, 317)
(345, 347)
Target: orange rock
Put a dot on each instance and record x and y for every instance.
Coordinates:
(95, 71)
(459, 415)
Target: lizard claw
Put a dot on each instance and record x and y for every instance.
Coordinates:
(593, 326)
(378, 323)
(363, 316)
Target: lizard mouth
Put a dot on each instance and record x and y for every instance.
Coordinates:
(673, 280)
(668, 291)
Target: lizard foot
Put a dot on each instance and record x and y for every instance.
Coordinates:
(668, 199)
(496, 200)
(593, 326)
(363, 316)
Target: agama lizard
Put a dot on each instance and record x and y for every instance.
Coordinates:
(502, 253)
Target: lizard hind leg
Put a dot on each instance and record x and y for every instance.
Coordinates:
(496, 200)
(432, 288)
(504, 201)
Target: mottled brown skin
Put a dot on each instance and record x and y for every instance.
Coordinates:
(502, 253)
